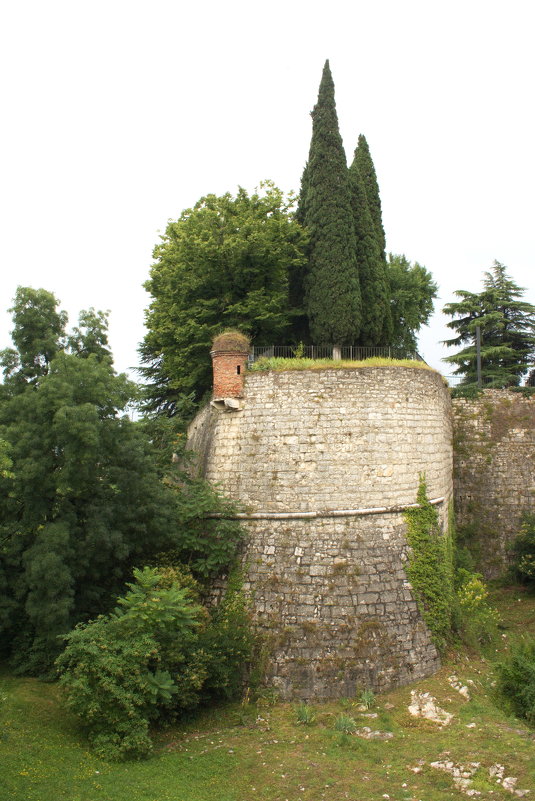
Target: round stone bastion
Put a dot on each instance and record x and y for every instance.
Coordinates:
(324, 462)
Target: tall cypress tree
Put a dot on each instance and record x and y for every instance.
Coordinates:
(363, 161)
(375, 292)
(297, 274)
(332, 289)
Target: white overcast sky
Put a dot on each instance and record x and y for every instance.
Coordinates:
(117, 115)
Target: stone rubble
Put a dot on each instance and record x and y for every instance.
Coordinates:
(461, 688)
(369, 734)
(462, 776)
(423, 705)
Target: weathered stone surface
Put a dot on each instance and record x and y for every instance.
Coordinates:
(330, 592)
(494, 476)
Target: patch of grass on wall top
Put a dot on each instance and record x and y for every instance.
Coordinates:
(279, 364)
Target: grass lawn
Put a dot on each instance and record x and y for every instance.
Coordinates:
(260, 752)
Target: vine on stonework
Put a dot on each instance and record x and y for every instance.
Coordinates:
(430, 566)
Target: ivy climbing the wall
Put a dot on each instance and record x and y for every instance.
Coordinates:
(430, 566)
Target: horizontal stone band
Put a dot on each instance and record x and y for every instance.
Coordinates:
(379, 510)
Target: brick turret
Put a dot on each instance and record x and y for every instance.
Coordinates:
(229, 354)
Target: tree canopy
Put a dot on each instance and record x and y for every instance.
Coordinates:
(38, 334)
(248, 262)
(222, 264)
(507, 326)
(411, 302)
(82, 492)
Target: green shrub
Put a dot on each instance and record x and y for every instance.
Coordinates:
(470, 391)
(158, 654)
(116, 670)
(523, 551)
(105, 680)
(477, 619)
(516, 679)
(228, 641)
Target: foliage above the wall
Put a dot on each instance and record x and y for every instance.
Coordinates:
(412, 292)
(507, 328)
(332, 294)
(223, 264)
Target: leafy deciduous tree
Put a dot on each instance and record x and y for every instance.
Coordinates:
(91, 335)
(82, 498)
(223, 264)
(412, 293)
(38, 333)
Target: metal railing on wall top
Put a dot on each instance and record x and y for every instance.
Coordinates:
(353, 353)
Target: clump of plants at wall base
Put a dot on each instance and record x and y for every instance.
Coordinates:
(477, 619)
(449, 599)
(430, 567)
(516, 679)
(157, 655)
(523, 552)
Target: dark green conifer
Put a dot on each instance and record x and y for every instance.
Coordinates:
(297, 274)
(507, 327)
(363, 161)
(374, 289)
(332, 289)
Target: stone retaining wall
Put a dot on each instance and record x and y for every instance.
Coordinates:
(494, 472)
(331, 594)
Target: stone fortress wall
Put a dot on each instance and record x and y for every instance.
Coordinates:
(324, 461)
(494, 472)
